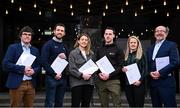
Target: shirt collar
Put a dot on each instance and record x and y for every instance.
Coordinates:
(160, 42)
(57, 40)
(25, 45)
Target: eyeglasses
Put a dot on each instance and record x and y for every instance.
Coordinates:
(27, 34)
(160, 31)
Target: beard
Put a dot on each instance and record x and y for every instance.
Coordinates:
(59, 38)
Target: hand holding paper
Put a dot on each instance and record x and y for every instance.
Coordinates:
(104, 65)
(59, 64)
(26, 59)
(89, 67)
(132, 73)
(161, 62)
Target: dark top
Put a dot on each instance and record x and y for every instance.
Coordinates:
(142, 65)
(16, 72)
(116, 57)
(50, 51)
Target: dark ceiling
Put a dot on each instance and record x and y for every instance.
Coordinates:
(127, 16)
(96, 7)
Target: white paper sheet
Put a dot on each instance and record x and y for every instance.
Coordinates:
(104, 65)
(132, 73)
(89, 67)
(59, 64)
(161, 62)
(26, 59)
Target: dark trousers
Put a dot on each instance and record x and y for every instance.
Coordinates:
(135, 95)
(163, 96)
(55, 91)
(24, 93)
(81, 95)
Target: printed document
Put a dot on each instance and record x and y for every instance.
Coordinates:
(26, 59)
(89, 67)
(161, 62)
(104, 65)
(59, 64)
(132, 73)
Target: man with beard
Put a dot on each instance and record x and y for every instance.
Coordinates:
(162, 81)
(55, 82)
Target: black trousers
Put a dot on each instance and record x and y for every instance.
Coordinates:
(135, 95)
(81, 95)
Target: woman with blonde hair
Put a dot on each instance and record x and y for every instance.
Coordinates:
(135, 93)
(81, 83)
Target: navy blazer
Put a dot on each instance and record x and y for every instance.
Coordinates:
(167, 48)
(16, 72)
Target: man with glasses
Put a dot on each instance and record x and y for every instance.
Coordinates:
(162, 80)
(21, 79)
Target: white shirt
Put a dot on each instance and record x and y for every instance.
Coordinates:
(84, 54)
(156, 48)
(26, 49)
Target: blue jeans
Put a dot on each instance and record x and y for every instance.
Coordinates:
(55, 90)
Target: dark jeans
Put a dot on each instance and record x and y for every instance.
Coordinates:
(55, 90)
(81, 95)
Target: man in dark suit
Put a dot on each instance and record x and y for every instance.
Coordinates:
(162, 82)
(21, 78)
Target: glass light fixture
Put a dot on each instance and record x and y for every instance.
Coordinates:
(164, 3)
(142, 7)
(88, 10)
(122, 10)
(70, 6)
(40, 13)
(51, 1)
(35, 5)
(106, 6)
(177, 7)
(54, 10)
(89, 2)
(12, 1)
(104, 14)
(72, 13)
(7, 12)
(127, 2)
(155, 11)
(20, 9)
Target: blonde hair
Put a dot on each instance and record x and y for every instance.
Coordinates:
(88, 47)
(139, 51)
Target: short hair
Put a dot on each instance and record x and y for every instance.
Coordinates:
(167, 30)
(26, 29)
(111, 28)
(59, 24)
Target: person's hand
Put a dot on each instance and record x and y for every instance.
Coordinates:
(137, 83)
(86, 76)
(104, 76)
(155, 75)
(28, 71)
(62, 56)
(124, 69)
(58, 76)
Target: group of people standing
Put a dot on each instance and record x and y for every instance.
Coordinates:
(21, 79)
